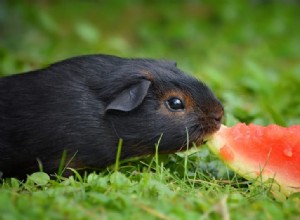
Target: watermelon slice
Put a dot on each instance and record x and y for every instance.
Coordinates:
(255, 151)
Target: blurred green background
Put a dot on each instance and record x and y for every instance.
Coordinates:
(246, 51)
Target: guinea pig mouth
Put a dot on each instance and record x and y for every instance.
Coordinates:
(198, 137)
(206, 135)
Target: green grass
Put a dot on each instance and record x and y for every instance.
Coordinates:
(248, 53)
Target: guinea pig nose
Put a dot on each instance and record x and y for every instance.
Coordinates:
(217, 116)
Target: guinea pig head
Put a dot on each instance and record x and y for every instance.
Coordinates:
(153, 101)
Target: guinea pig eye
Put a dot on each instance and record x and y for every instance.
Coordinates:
(175, 104)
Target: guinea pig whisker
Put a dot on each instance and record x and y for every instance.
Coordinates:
(115, 130)
(194, 132)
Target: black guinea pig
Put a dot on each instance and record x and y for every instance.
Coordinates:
(84, 105)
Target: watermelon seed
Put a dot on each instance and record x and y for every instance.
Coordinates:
(288, 152)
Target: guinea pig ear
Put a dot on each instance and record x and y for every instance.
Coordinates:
(130, 98)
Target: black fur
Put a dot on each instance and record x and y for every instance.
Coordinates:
(67, 106)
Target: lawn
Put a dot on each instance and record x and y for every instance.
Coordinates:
(248, 53)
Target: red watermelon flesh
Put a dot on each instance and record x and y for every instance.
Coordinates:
(269, 152)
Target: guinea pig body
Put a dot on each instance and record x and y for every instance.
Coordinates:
(84, 105)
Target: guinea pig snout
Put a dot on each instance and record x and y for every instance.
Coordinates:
(216, 118)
